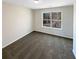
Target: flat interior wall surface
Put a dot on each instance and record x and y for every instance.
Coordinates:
(66, 21)
(16, 23)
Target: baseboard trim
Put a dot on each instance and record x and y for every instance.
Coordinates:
(74, 53)
(15, 40)
(54, 35)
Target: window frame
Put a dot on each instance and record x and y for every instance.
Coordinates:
(54, 20)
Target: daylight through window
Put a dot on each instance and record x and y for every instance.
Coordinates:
(52, 19)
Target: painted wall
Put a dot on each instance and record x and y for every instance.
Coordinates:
(16, 23)
(74, 30)
(67, 21)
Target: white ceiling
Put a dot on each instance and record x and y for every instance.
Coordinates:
(41, 4)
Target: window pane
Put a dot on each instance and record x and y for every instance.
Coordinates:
(56, 24)
(46, 22)
(46, 15)
(54, 15)
(59, 15)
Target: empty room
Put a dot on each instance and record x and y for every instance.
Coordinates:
(38, 29)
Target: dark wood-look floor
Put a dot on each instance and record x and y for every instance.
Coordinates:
(39, 46)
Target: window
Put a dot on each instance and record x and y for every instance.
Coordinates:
(46, 19)
(52, 19)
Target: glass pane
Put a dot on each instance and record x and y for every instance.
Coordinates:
(56, 24)
(54, 15)
(59, 15)
(46, 15)
(46, 22)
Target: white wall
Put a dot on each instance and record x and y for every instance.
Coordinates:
(67, 21)
(74, 30)
(16, 23)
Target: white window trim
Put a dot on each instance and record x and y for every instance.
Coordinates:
(58, 20)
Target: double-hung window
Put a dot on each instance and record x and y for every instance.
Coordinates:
(52, 19)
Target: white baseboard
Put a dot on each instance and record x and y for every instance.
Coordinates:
(74, 53)
(54, 34)
(16, 39)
